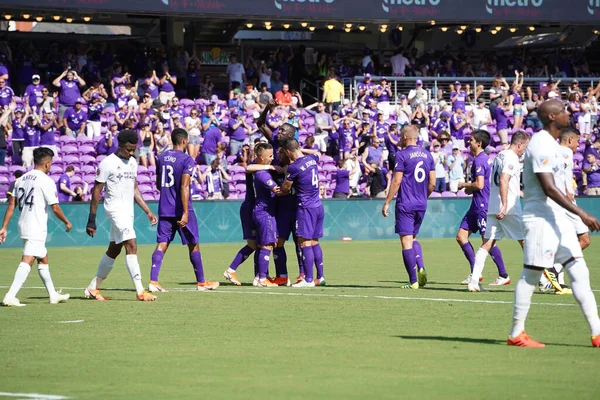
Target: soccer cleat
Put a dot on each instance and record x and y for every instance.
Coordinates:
(231, 277)
(564, 289)
(320, 282)
(300, 278)
(93, 294)
(500, 281)
(551, 275)
(524, 340)
(411, 286)
(303, 284)
(468, 279)
(475, 287)
(59, 298)
(266, 283)
(596, 341)
(12, 302)
(422, 277)
(155, 287)
(207, 285)
(279, 281)
(146, 296)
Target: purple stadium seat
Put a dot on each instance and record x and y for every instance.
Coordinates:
(87, 149)
(100, 158)
(88, 169)
(55, 177)
(13, 168)
(145, 188)
(236, 168)
(147, 196)
(88, 160)
(4, 180)
(69, 150)
(71, 160)
(67, 139)
(152, 169)
(448, 194)
(231, 159)
(84, 139)
(144, 179)
(76, 179)
(56, 169)
(434, 195)
(90, 179)
(461, 193)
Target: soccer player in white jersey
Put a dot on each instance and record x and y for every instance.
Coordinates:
(504, 216)
(117, 175)
(549, 235)
(569, 142)
(33, 193)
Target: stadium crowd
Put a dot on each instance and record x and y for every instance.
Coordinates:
(75, 100)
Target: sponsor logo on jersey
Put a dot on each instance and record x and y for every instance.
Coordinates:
(544, 160)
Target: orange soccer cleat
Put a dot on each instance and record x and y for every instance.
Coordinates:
(524, 340)
(93, 294)
(280, 281)
(207, 285)
(596, 341)
(231, 277)
(146, 296)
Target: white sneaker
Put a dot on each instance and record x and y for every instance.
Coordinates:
(256, 282)
(12, 302)
(500, 281)
(467, 280)
(59, 298)
(475, 287)
(545, 287)
(156, 288)
(304, 284)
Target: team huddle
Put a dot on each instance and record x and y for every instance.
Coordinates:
(283, 199)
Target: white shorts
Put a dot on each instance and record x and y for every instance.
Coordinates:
(27, 156)
(121, 228)
(548, 241)
(454, 184)
(34, 248)
(580, 227)
(509, 227)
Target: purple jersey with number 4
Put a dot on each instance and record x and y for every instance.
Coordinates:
(304, 173)
(172, 164)
(415, 163)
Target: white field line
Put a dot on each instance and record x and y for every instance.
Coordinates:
(35, 396)
(75, 321)
(346, 296)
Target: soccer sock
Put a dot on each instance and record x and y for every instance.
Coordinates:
(157, 259)
(263, 262)
(523, 292)
(469, 253)
(240, 257)
(256, 258)
(308, 260)
(20, 276)
(561, 277)
(131, 261)
(497, 257)
(410, 263)
(582, 291)
(104, 268)
(480, 258)
(318, 252)
(44, 273)
(300, 259)
(280, 258)
(196, 260)
(418, 254)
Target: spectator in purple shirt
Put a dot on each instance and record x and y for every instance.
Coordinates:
(502, 121)
(75, 119)
(591, 167)
(63, 186)
(238, 132)
(32, 138)
(342, 181)
(33, 92)
(49, 125)
(168, 81)
(458, 123)
(211, 138)
(6, 93)
(69, 83)
(109, 143)
(458, 97)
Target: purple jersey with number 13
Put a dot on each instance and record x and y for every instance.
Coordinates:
(304, 173)
(172, 164)
(415, 163)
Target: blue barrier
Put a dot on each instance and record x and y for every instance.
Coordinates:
(219, 221)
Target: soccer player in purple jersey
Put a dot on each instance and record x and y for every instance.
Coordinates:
(475, 220)
(175, 212)
(414, 180)
(303, 174)
(263, 214)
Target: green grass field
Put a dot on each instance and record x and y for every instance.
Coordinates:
(361, 337)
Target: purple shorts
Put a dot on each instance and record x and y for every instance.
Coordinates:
(286, 222)
(266, 228)
(475, 221)
(408, 222)
(309, 222)
(248, 225)
(167, 226)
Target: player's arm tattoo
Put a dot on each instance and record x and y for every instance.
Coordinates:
(286, 187)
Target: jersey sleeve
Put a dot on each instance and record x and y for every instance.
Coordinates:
(541, 158)
(189, 166)
(103, 172)
(511, 166)
(49, 192)
(264, 179)
(292, 173)
(478, 167)
(399, 167)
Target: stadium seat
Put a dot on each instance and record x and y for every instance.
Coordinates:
(434, 195)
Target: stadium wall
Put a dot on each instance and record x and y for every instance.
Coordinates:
(219, 222)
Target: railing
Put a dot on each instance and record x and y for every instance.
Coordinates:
(403, 85)
(307, 88)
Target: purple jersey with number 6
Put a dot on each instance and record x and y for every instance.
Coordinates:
(172, 164)
(304, 173)
(415, 163)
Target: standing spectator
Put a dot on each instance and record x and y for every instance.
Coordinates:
(69, 83)
(251, 67)
(533, 101)
(440, 124)
(215, 178)
(333, 93)
(192, 75)
(210, 120)
(323, 125)
(47, 100)
(63, 186)
(49, 125)
(276, 83)
(480, 116)
(167, 84)
(458, 123)
(95, 109)
(440, 171)
(206, 87)
(6, 93)
(75, 119)
(147, 149)
(32, 137)
(235, 71)
(591, 167)
(496, 94)
(18, 133)
(367, 64)
(4, 118)
(176, 110)
(373, 155)
(3, 68)
(420, 119)
(151, 84)
(33, 92)
(399, 62)
(238, 132)
(108, 144)
(211, 139)
(418, 95)
(162, 142)
(265, 75)
(458, 97)
(342, 180)
(284, 97)
(502, 121)
(264, 96)
(517, 101)
(456, 171)
(193, 124)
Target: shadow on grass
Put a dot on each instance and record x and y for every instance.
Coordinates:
(474, 340)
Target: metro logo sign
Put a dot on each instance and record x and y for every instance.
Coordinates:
(593, 4)
(509, 5)
(411, 7)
